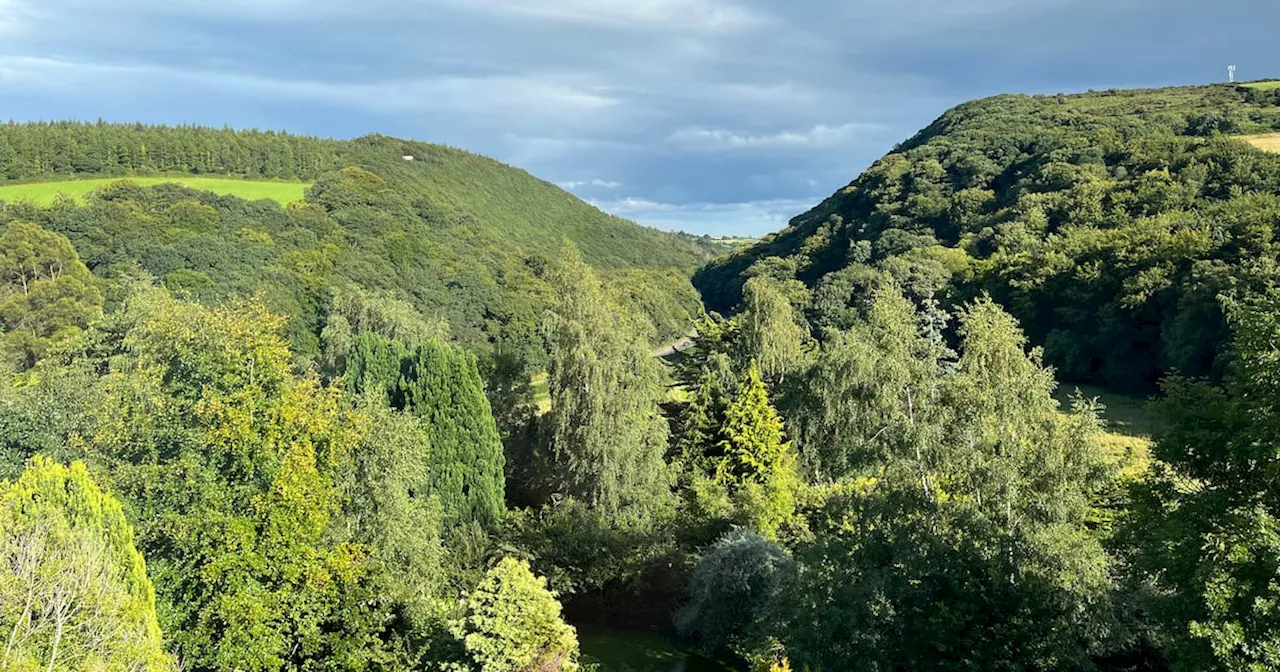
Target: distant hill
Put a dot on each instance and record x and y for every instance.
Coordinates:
(462, 237)
(1109, 223)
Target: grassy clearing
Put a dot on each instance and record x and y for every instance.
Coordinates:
(541, 393)
(1269, 85)
(43, 193)
(1267, 142)
(1129, 425)
(623, 651)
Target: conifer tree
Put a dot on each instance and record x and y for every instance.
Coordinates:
(758, 466)
(442, 386)
(513, 624)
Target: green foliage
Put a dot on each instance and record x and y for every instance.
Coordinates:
(732, 589)
(513, 624)
(1204, 529)
(229, 464)
(966, 543)
(388, 509)
(606, 434)
(442, 386)
(47, 295)
(74, 592)
(768, 330)
(757, 467)
(459, 238)
(1108, 223)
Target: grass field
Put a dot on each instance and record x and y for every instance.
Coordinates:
(1129, 425)
(43, 193)
(1264, 86)
(1268, 142)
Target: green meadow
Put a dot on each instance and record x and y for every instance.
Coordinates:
(43, 193)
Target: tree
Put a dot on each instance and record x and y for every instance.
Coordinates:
(513, 624)
(966, 542)
(734, 585)
(46, 294)
(231, 465)
(442, 386)
(74, 592)
(770, 333)
(757, 467)
(388, 508)
(1205, 530)
(606, 434)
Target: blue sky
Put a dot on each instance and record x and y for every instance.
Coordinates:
(712, 116)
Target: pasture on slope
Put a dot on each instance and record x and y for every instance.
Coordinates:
(43, 193)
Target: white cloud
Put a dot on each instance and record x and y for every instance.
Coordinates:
(535, 96)
(13, 16)
(751, 218)
(602, 184)
(677, 14)
(719, 139)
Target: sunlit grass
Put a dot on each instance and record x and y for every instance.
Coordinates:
(43, 193)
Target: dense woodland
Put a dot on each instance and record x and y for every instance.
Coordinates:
(236, 436)
(1107, 223)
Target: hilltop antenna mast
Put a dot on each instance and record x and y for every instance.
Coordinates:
(1231, 74)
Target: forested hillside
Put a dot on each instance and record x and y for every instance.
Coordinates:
(462, 238)
(244, 437)
(1108, 223)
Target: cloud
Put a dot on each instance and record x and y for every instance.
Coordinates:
(683, 15)
(750, 218)
(13, 16)
(602, 184)
(531, 96)
(718, 139)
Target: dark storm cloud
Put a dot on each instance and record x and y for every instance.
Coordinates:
(724, 116)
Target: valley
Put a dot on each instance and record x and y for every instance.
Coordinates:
(283, 403)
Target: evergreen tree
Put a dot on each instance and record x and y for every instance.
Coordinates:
(442, 386)
(74, 591)
(606, 433)
(756, 465)
(513, 624)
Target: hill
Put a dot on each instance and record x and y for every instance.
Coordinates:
(1108, 223)
(461, 237)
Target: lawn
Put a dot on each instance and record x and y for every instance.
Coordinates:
(43, 193)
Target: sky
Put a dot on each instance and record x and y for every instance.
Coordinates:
(725, 117)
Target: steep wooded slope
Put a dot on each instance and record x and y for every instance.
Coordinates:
(1109, 223)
